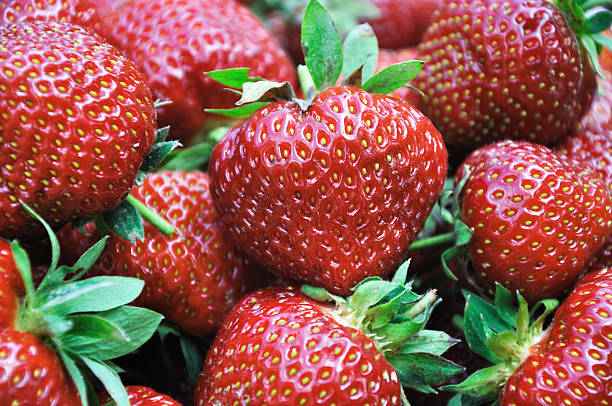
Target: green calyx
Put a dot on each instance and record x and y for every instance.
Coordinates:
(125, 220)
(394, 318)
(502, 334)
(86, 321)
(589, 18)
(327, 58)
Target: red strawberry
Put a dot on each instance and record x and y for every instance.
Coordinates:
(140, 396)
(498, 70)
(332, 194)
(605, 59)
(280, 347)
(193, 276)
(537, 219)
(567, 364)
(79, 12)
(174, 42)
(571, 364)
(77, 120)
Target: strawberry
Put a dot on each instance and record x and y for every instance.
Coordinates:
(537, 218)
(599, 117)
(77, 121)
(140, 396)
(51, 335)
(567, 364)
(282, 347)
(332, 189)
(193, 276)
(79, 12)
(513, 70)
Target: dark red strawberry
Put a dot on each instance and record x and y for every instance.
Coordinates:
(332, 189)
(537, 218)
(193, 276)
(566, 364)
(174, 42)
(281, 347)
(63, 328)
(498, 70)
(140, 396)
(77, 121)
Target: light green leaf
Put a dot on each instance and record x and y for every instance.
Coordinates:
(125, 221)
(239, 112)
(423, 369)
(393, 77)
(110, 379)
(233, 77)
(360, 50)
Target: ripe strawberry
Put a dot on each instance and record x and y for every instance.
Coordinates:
(77, 121)
(140, 396)
(332, 189)
(537, 219)
(193, 276)
(566, 364)
(497, 70)
(79, 12)
(63, 327)
(281, 347)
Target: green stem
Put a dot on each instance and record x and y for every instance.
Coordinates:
(431, 241)
(427, 300)
(594, 3)
(152, 217)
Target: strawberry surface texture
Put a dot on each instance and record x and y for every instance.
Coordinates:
(332, 194)
(77, 120)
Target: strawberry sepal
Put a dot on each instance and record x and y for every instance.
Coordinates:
(394, 318)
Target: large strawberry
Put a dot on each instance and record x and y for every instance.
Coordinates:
(80, 12)
(192, 276)
(76, 119)
(514, 69)
(567, 364)
(51, 336)
(282, 347)
(537, 217)
(331, 189)
(140, 396)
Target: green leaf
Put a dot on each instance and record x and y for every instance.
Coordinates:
(157, 154)
(322, 46)
(95, 326)
(360, 50)
(549, 306)
(591, 49)
(485, 382)
(138, 325)
(110, 379)
(384, 313)
(193, 358)
(239, 112)
(397, 333)
(161, 134)
(264, 91)
(598, 22)
(423, 369)
(189, 159)
(447, 256)
(522, 318)
(402, 273)
(393, 77)
(125, 221)
(234, 77)
(74, 372)
(321, 294)
(504, 304)
(20, 257)
(602, 40)
(95, 294)
(89, 257)
(370, 292)
(55, 248)
(505, 346)
(430, 341)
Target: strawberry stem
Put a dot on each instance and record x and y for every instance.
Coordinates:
(152, 217)
(431, 241)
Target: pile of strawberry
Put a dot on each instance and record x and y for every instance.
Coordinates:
(204, 202)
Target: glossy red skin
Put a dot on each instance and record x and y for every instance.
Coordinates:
(31, 374)
(543, 245)
(387, 57)
(285, 345)
(402, 22)
(193, 278)
(79, 12)
(593, 150)
(352, 210)
(61, 151)
(173, 42)
(140, 396)
(11, 286)
(524, 80)
(573, 362)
